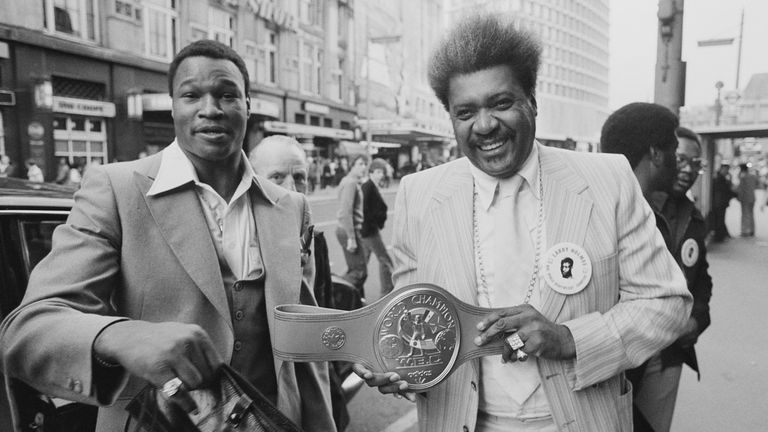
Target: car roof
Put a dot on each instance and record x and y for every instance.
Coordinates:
(15, 192)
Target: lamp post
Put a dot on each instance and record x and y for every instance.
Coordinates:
(729, 41)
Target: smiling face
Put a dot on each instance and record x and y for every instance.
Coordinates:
(688, 165)
(210, 109)
(493, 119)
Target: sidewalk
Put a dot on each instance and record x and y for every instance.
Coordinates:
(331, 192)
(733, 352)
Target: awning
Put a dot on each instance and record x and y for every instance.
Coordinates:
(163, 102)
(380, 144)
(347, 148)
(301, 130)
(403, 130)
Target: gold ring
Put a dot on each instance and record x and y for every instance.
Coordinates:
(171, 387)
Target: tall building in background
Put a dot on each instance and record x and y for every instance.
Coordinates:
(86, 79)
(573, 86)
(397, 110)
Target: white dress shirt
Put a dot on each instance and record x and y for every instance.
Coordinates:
(231, 224)
(507, 218)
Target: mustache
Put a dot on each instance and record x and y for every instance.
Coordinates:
(497, 137)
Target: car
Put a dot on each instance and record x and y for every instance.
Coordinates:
(29, 212)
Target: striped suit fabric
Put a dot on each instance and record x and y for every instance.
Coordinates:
(634, 305)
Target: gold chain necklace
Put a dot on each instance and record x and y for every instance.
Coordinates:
(483, 290)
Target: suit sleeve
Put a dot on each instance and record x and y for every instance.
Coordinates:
(47, 341)
(701, 288)
(653, 302)
(347, 192)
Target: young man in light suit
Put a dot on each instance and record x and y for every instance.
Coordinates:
(483, 227)
(168, 265)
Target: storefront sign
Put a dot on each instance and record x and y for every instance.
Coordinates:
(7, 97)
(265, 108)
(306, 130)
(163, 102)
(83, 107)
(316, 108)
(156, 102)
(270, 11)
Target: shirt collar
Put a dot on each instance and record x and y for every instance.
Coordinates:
(176, 170)
(487, 186)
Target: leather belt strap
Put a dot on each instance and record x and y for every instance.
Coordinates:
(420, 331)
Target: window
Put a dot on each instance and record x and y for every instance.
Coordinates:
(311, 68)
(75, 18)
(221, 26)
(80, 139)
(160, 29)
(2, 135)
(311, 12)
(270, 58)
(338, 81)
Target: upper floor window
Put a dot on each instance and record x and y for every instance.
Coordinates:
(221, 26)
(311, 68)
(311, 12)
(75, 18)
(160, 29)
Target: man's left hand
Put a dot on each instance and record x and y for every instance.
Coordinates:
(542, 337)
(690, 335)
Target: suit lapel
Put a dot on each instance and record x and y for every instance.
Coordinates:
(177, 214)
(451, 215)
(567, 213)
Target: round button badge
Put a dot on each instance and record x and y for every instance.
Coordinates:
(567, 268)
(689, 252)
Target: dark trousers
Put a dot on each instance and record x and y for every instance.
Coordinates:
(357, 265)
(721, 232)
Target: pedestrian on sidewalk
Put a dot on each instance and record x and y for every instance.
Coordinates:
(350, 222)
(282, 160)
(374, 217)
(34, 173)
(672, 167)
(722, 193)
(745, 193)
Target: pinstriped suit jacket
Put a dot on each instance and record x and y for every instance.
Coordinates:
(635, 304)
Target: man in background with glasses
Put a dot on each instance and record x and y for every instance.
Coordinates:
(687, 232)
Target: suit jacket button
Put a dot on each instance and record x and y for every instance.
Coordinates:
(238, 345)
(474, 386)
(465, 428)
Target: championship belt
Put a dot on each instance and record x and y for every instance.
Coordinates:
(420, 331)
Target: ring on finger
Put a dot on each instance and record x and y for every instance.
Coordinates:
(521, 356)
(514, 341)
(171, 387)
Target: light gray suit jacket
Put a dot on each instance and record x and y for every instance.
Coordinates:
(125, 254)
(634, 305)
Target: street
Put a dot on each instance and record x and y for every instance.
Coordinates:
(731, 395)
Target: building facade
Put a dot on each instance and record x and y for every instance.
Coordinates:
(398, 114)
(573, 86)
(86, 80)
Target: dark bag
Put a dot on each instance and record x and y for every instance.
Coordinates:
(230, 404)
